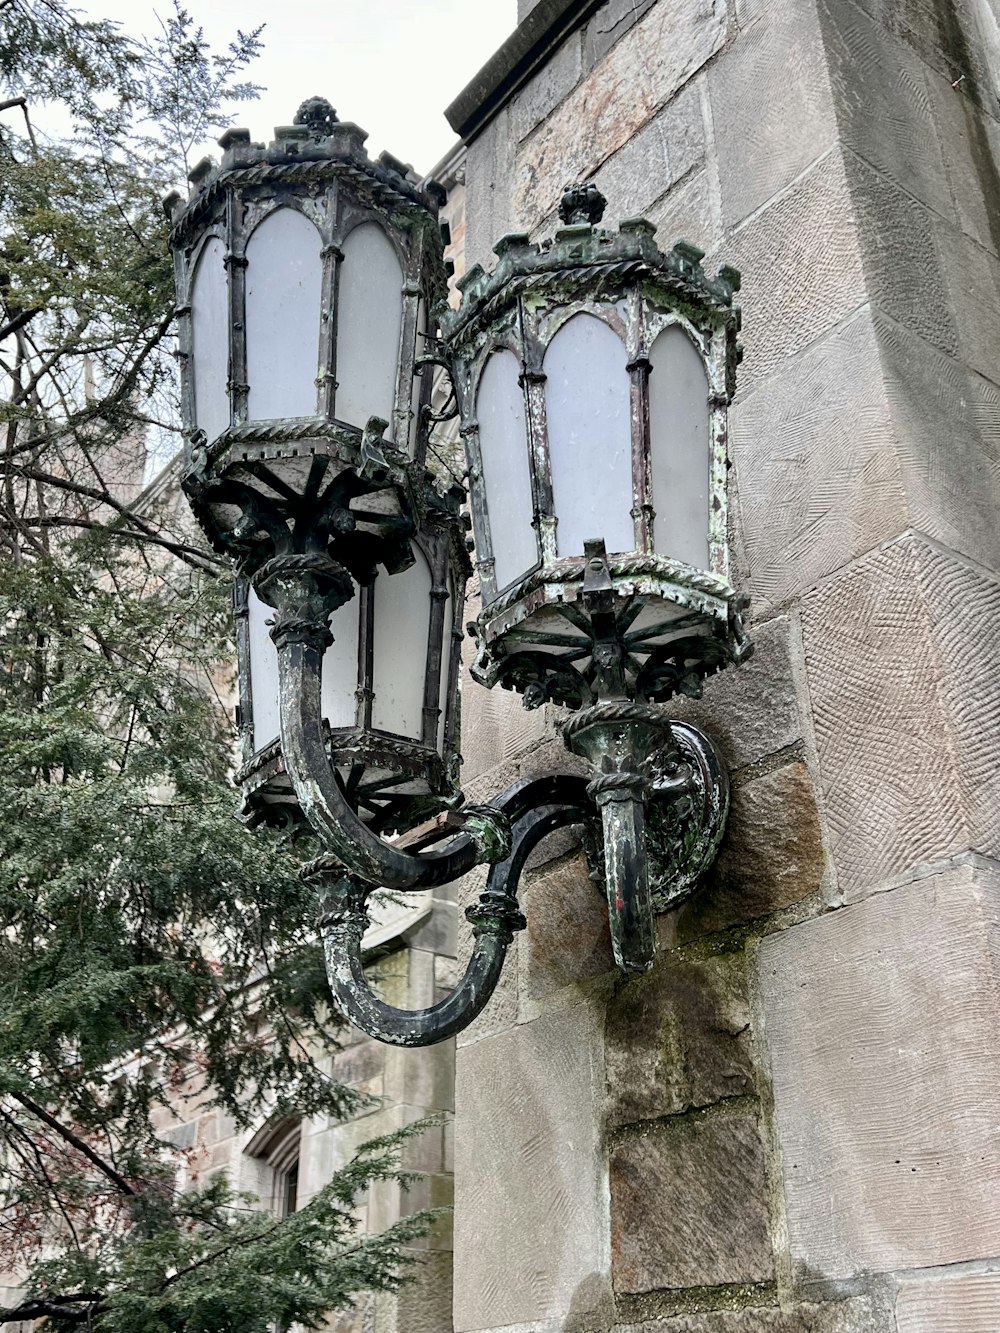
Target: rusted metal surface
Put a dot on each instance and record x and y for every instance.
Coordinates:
(622, 279)
(308, 508)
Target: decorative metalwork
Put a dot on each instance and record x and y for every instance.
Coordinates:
(687, 804)
(533, 635)
(311, 505)
(325, 509)
(582, 203)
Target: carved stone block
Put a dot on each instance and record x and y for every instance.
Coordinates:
(795, 291)
(947, 423)
(666, 148)
(690, 211)
(772, 855)
(845, 1316)
(902, 657)
(542, 93)
(650, 63)
(899, 241)
(567, 941)
(969, 1303)
(678, 1038)
(880, 1022)
(689, 1206)
(813, 450)
(770, 127)
(530, 1174)
(754, 711)
(883, 111)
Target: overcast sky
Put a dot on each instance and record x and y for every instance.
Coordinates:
(392, 66)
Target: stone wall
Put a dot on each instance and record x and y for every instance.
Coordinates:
(791, 1123)
(411, 955)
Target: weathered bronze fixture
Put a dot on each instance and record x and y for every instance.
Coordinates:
(592, 376)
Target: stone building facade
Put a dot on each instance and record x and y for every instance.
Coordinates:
(793, 1122)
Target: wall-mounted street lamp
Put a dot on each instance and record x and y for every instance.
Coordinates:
(592, 375)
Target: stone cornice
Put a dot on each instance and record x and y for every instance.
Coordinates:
(527, 48)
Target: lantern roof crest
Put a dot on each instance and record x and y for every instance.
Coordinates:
(311, 150)
(581, 253)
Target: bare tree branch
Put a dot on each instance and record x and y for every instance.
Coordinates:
(104, 496)
(79, 1144)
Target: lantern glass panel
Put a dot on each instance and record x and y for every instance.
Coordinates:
(283, 287)
(402, 628)
(210, 335)
(263, 674)
(587, 401)
(503, 444)
(340, 671)
(446, 651)
(369, 314)
(679, 447)
(339, 687)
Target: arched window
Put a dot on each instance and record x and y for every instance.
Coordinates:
(273, 1159)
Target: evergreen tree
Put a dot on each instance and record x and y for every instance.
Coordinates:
(150, 949)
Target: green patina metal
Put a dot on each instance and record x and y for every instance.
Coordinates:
(625, 280)
(572, 630)
(308, 507)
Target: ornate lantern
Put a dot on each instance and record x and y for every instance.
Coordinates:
(593, 375)
(305, 272)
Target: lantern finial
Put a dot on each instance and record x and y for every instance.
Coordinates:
(582, 202)
(317, 115)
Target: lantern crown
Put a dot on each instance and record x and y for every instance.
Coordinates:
(584, 257)
(313, 149)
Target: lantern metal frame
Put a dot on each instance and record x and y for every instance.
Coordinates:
(308, 507)
(316, 495)
(360, 750)
(622, 279)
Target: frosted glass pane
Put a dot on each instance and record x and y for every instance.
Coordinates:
(340, 670)
(503, 442)
(402, 623)
(284, 285)
(263, 674)
(210, 335)
(590, 441)
(678, 425)
(340, 666)
(369, 313)
(446, 648)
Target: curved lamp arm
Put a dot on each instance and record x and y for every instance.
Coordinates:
(319, 793)
(494, 919)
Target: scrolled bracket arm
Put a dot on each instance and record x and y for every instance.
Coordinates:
(494, 918)
(663, 796)
(359, 850)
